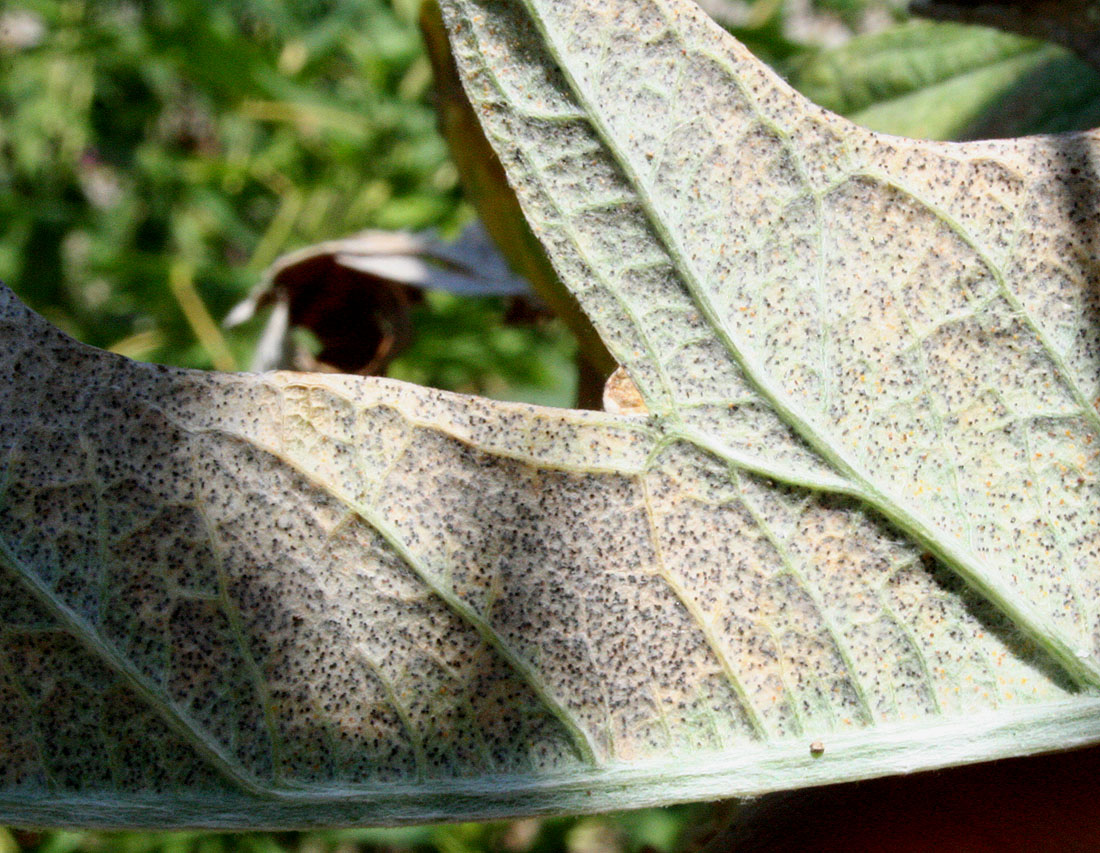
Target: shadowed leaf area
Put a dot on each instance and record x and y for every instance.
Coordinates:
(850, 530)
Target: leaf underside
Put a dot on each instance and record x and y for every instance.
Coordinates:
(862, 512)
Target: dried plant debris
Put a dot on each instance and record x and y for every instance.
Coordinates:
(354, 295)
(856, 532)
(621, 395)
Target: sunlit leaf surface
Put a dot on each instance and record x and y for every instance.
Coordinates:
(855, 534)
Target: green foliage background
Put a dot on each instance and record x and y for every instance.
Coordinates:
(157, 155)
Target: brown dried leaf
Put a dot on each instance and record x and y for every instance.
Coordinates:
(621, 396)
(355, 294)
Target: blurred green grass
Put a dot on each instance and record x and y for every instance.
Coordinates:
(156, 156)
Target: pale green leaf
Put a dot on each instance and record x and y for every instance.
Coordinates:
(905, 60)
(1057, 96)
(947, 81)
(921, 79)
(1073, 23)
(857, 532)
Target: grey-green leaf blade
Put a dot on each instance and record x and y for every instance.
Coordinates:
(839, 273)
(309, 599)
(337, 600)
